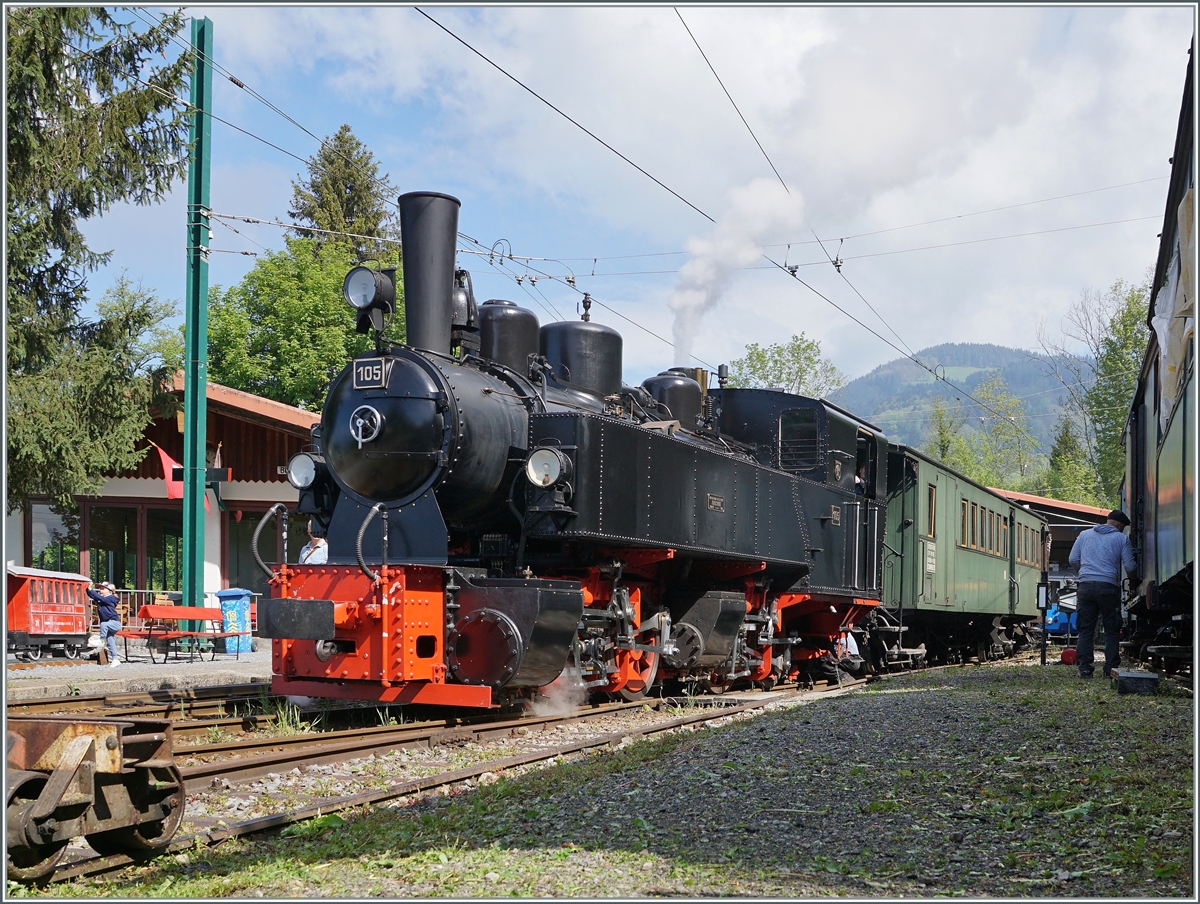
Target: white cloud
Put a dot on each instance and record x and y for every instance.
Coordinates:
(878, 117)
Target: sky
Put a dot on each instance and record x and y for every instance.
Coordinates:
(896, 134)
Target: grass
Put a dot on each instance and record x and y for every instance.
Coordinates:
(770, 801)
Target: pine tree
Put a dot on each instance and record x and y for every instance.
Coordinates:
(93, 120)
(1071, 476)
(344, 193)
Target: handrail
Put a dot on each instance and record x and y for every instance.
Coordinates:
(376, 509)
(277, 509)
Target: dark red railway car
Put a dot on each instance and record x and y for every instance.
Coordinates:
(47, 610)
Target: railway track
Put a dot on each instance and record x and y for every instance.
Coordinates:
(314, 754)
(174, 703)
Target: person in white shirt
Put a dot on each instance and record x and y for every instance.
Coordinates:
(316, 550)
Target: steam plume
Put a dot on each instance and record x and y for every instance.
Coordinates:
(757, 212)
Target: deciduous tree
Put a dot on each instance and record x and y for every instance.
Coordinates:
(942, 436)
(1097, 356)
(81, 416)
(796, 367)
(284, 332)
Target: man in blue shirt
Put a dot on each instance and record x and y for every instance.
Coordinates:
(1099, 554)
(110, 619)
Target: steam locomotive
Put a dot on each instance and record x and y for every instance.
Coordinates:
(502, 510)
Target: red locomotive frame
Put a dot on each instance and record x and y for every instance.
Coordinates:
(395, 630)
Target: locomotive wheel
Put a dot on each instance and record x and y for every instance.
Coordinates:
(71, 651)
(645, 669)
(29, 861)
(711, 687)
(146, 836)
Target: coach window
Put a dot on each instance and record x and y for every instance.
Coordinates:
(932, 526)
(799, 443)
(974, 523)
(55, 544)
(112, 545)
(1003, 550)
(962, 529)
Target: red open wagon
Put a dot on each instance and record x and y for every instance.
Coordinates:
(47, 610)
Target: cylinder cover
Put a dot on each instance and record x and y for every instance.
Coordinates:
(508, 334)
(485, 648)
(584, 353)
(679, 393)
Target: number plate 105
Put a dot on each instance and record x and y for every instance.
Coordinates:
(371, 373)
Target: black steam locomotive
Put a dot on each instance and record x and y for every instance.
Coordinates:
(502, 510)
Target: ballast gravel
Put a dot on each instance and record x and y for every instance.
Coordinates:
(998, 781)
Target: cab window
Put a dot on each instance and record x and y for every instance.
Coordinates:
(799, 440)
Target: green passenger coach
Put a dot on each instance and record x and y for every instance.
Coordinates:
(961, 568)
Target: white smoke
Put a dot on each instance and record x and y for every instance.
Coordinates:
(758, 212)
(562, 696)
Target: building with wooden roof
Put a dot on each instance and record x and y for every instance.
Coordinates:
(132, 533)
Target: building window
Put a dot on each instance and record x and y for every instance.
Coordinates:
(963, 526)
(164, 549)
(112, 545)
(932, 525)
(55, 544)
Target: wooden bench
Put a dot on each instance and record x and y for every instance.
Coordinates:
(164, 625)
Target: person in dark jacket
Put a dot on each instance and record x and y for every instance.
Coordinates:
(1100, 554)
(107, 602)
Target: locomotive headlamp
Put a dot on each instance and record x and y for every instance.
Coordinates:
(547, 467)
(364, 287)
(302, 471)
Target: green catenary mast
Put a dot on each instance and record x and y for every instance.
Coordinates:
(195, 384)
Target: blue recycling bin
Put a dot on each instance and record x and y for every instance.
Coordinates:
(235, 616)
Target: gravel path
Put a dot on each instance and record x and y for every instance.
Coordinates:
(1010, 780)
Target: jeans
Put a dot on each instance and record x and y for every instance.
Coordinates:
(1093, 600)
(108, 636)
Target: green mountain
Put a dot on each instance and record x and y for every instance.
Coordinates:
(897, 396)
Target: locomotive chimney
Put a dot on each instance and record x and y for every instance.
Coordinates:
(429, 233)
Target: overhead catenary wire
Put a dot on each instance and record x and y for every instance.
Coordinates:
(574, 122)
(189, 106)
(837, 264)
(598, 302)
(713, 70)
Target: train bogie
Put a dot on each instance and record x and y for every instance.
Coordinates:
(111, 781)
